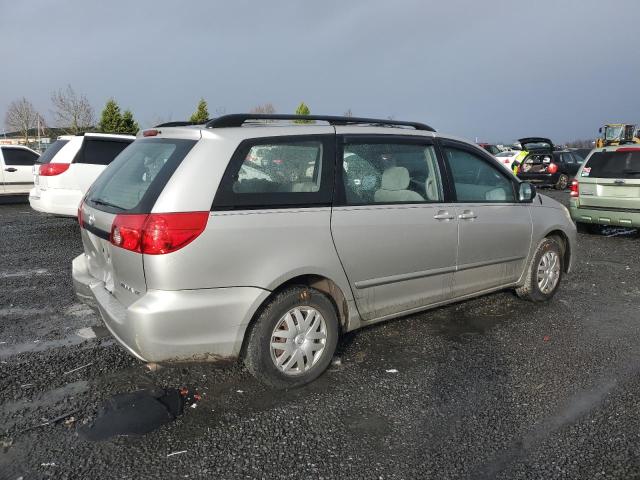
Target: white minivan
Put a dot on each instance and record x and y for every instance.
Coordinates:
(16, 165)
(69, 166)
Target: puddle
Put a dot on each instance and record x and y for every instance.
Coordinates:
(138, 412)
(457, 324)
(82, 335)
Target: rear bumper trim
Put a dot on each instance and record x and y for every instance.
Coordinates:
(174, 326)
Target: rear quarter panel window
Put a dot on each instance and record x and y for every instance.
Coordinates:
(278, 172)
(99, 151)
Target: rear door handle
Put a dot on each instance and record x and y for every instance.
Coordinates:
(467, 215)
(443, 215)
(10, 169)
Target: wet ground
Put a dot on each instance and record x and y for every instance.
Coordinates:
(491, 388)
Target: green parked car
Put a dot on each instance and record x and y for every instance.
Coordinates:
(606, 190)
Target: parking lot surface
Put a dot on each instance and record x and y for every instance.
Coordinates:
(491, 388)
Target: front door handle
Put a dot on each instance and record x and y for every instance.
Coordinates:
(467, 215)
(10, 169)
(443, 215)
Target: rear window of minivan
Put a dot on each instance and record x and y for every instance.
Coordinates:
(134, 180)
(613, 164)
(50, 152)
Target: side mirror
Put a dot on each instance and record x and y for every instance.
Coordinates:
(600, 130)
(526, 192)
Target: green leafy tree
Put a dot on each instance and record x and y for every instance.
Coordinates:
(303, 109)
(111, 118)
(128, 123)
(201, 114)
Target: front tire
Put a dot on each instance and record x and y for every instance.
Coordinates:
(544, 272)
(293, 339)
(562, 183)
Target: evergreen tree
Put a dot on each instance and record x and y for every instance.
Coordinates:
(128, 124)
(110, 119)
(201, 114)
(303, 109)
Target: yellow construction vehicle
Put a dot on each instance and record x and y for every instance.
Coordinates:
(616, 134)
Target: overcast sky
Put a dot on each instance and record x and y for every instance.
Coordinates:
(492, 69)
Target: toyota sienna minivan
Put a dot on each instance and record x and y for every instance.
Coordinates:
(256, 239)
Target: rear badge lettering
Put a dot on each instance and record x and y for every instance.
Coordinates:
(129, 289)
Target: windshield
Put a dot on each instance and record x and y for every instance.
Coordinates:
(50, 152)
(144, 167)
(613, 164)
(613, 133)
(506, 154)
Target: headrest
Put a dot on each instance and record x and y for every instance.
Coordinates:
(395, 178)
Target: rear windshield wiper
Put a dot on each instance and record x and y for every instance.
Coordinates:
(99, 201)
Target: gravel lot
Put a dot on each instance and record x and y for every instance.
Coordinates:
(491, 388)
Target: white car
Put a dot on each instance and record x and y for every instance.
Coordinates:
(16, 165)
(508, 157)
(69, 166)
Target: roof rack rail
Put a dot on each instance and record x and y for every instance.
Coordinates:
(238, 119)
(179, 124)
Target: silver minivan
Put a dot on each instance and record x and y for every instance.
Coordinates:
(255, 239)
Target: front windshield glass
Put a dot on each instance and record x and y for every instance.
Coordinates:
(613, 133)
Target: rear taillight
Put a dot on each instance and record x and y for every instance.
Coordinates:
(53, 169)
(628, 149)
(80, 219)
(157, 233)
(574, 189)
(552, 168)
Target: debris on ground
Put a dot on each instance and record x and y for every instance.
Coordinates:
(391, 370)
(79, 368)
(52, 421)
(139, 412)
(336, 362)
(69, 422)
(153, 367)
(6, 443)
(86, 332)
(176, 453)
(546, 338)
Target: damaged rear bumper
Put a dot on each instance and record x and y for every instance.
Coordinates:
(173, 326)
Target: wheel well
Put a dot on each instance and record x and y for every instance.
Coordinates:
(323, 284)
(562, 239)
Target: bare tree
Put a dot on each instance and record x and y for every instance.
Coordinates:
(267, 109)
(21, 116)
(348, 113)
(72, 111)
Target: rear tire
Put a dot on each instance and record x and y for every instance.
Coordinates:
(562, 183)
(304, 321)
(544, 273)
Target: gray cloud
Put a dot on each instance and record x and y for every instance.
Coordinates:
(495, 69)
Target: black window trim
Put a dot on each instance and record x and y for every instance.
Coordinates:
(340, 199)
(225, 199)
(488, 158)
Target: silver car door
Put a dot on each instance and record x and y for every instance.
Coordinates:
(394, 234)
(494, 228)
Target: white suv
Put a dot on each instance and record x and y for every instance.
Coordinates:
(69, 166)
